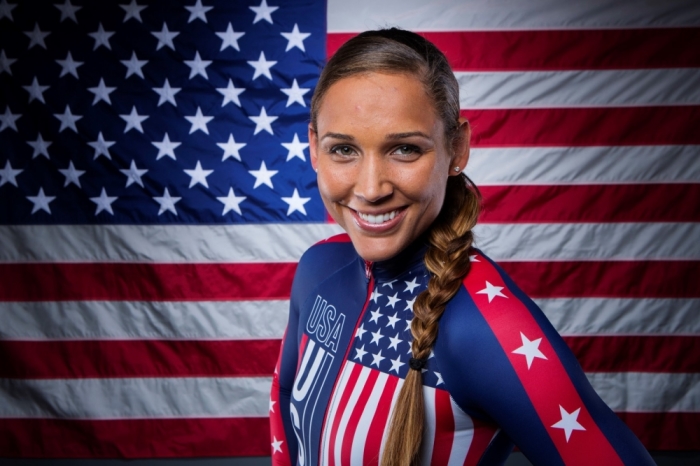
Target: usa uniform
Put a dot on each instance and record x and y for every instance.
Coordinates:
(499, 374)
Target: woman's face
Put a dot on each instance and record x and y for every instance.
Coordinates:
(382, 160)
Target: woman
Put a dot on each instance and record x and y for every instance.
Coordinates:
(405, 345)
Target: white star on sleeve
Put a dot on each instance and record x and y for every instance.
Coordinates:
(568, 422)
(492, 291)
(198, 11)
(232, 202)
(198, 66)
(263, 122)
(41, 201)
(133, 174)
(199, 121)
(295, 148)
(230, 93)
(36, 37)
(104, 202)
(167, 202)
(231, 148)
(377, 358)
(296, 203)
(6, 10)
(473, 258)
(101, 37)
(72, 175)
(295, 94)
(5, 63)
(263, 176)
(439, 378)
(360, 353)
(101, 146)
(67, 120)
(166, 148)
(276, 445)
(272, 406)
(40, 147)
(101, 92)
(133, 120)
(262, 66)
(8, 174)
(36, 91)
(69, 66)
(68, 11)
(530, 349)
(230, 38)
(8, 119)
(134, 65)
(166, 93)
(165, 37)
(295, 38)
(199, 175)
(133, 10)
(263, 12)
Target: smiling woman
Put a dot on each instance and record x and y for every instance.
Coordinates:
(405, 345)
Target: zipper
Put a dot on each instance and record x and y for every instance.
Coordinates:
(368, 270)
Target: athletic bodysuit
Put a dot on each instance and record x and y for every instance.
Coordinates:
(499, 374)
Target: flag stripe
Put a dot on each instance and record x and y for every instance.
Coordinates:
(584, 165)
(591, 203)
(580, 88)
(584, 126)
(679, 430)
(137, 358)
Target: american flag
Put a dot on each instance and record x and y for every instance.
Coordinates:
(156, 195)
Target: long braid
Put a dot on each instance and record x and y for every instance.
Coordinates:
(447, 259)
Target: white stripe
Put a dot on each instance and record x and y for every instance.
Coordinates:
(333, 409)
(613, 316)
(349, 409)
(456, 15)
(368, 415)
(132, 398)
(637, 392)
(160, 243)
(387, 426)
(589, 241)
(429, 424)
(139, 320)
(567, 89)
(584, 165)
(464, 435)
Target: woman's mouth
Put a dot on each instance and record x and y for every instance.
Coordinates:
(378, 219)
(379, 222)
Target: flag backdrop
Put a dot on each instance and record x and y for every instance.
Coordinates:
(156, 193)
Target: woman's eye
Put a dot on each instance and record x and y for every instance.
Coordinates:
(343, 150)
(407, 150)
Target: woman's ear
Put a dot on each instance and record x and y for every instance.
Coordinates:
(313, 147)
(461, 148)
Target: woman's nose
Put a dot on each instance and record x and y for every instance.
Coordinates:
(373, 183)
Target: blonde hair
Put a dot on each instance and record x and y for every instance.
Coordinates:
(450, 235)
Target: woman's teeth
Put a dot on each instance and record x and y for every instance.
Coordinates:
(377, 219)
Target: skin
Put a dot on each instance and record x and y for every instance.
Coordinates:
(379, 148)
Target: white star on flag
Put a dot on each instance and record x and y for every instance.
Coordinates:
(395, 342)
(167, 202)
(199, 175)
(69, 66)
(296, 203)
(40, 147)
(41, 201)
(134, 65)
(392, 320)
(101, 146)
(389, 284)
(393, 300)
(530, 349)
(199, 121)
(263, 176)
(295, 148)
(360, 353)
(473, 258)
(263, 12)
(133, 120)
(396, 364)
(376, 336)
(230, 93)
(409, 304)
(101, 92)
(262, 66)
(230, 38)
(232, 202)
(72, 175)
(67, 120)
(166, 93)
(360, 330)
(375, 295)
(133, 174)
(68, 11)
(492, 291)
(101, 37)
(295, 94)
(439, 378)
(166, 148)
(36, 91)
(36, 37)
(263, 122)
(376, 314)
(8, 174)
(6, 10)
(104, 202)
(5, 63)
(133, 10)
(410, 286)
(377, 358)
(295, 38)
(276, 445)
(568, 422)
(272, 406)
(198, 66)
(198, 11)
(165, 37)
(231, 148)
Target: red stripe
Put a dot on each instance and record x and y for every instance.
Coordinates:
(591, 203)
(379, 422)
(140, 281)
(354, 420)
(637, 353)
(561, 49)
(610, 279)
(346, 391)
(137, 358)
(546, 381)
(483, 433)
(584, 126)
(665, 431)
(134, 438)
(444, 429)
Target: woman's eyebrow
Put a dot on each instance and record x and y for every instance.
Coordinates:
(394, 136)
(343, 137)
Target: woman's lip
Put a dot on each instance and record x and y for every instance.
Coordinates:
(379, 227)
